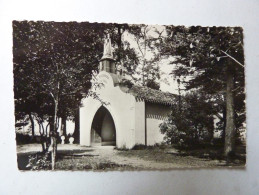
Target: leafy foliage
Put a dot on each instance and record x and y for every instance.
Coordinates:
(203, 56)
(43, 57)
(191, 123)
(135, 53)
(39, 161)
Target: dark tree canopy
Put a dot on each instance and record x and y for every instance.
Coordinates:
(201, 56)
(53, 66)
(211, 60)
(45, 52)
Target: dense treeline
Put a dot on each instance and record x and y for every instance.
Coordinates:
(209, 62)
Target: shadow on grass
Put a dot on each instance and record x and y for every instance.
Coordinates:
(216, 153)
(23, 158)
(72, 160)
(74, 151)
(199, 153)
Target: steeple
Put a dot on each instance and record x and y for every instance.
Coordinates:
(107, 62)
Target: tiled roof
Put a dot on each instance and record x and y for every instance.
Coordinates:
(152, 95)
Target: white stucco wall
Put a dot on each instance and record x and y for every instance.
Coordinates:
(139, 122)
(121, 107)
(155, 114)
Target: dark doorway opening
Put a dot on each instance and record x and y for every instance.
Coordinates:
(103, 129)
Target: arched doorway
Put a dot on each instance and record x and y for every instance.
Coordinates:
(103, 129)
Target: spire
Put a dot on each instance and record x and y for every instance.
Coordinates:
(107, 49)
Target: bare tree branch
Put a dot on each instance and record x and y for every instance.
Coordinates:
(233, 58)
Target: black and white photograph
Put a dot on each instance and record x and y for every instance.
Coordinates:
(128, 97)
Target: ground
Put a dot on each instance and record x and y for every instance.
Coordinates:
(76, 157)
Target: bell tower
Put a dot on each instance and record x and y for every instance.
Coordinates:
(107, 62)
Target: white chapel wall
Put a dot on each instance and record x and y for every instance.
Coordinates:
(121, 107)
(139, 122)
(155, 114)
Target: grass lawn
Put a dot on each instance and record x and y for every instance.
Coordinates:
(200, 157)
(74, 163)
(142, 158)
(74, 160)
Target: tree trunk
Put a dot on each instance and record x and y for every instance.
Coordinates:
(53, 151)
(230, 130)
(51, 124)
(211, 130)
(76, 133)
(42, 141)
(32, 125)
(224, 122)
(54, 138)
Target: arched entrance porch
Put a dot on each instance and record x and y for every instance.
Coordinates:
(103, 130)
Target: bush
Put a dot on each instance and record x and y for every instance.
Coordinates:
(39, 161)
(190, 123)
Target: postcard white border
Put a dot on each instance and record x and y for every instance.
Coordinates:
(190, 12)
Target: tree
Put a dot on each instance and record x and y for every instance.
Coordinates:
(135, 52)
(212, 60)
(147, 72)
(53, 64)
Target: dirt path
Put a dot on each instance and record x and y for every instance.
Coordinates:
(109, 154)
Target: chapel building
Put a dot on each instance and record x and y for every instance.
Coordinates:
(123, 115)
